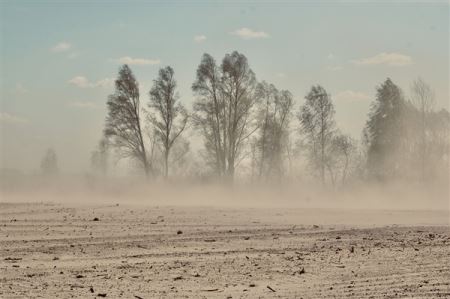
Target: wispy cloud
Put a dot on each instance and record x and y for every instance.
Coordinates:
(83, 105)
(7, 118)
(138, 61)
(83, 82)
(20, 89)
(80, 81)
(105, 83)
(352, 96)
(61, 47)
(334, 68)
(73, 55)
(199, 38)
(247, 33)
(390, 59)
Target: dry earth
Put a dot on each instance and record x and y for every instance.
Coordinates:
(59, 251)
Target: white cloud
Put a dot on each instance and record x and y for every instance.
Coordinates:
(73, 55)
(390, 59)
(79, 81)
(61, 47)
(105, 83)
(334, 68)
(20, 89)
(83, 82)
(352, 96)
(199, 38)
(83, 105)
(12, 119)
(246, 33)
(138, 61)
(281, 75)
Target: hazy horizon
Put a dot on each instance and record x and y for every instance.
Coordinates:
(59, 60)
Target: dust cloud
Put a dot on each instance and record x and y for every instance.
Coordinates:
(140, 191)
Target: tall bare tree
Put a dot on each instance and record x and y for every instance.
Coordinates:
(99, 157)
(209, 114)
(318, 126)
(422, 97)
(123, 122)
(170, 117)
(223, 110)
(438, 153)
(343, 152)
(274, 113)
(49, 163)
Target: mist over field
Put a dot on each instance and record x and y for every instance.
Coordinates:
(132, 191)
(224, 149)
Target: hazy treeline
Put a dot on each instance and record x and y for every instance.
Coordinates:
(254, 131)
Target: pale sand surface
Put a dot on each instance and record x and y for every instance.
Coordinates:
(51, 250)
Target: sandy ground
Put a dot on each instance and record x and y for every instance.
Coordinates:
(62, 251)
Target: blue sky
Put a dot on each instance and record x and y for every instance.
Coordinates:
(58, 59)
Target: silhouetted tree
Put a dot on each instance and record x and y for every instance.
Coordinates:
(318, 126)
(273, 118)
(99, 157)
(180, 158)
(171, 117)
(223, 109)
(422, 96)
(123, 123)
(438, 136)
(385, 130)
(342, 157)
(49, 163)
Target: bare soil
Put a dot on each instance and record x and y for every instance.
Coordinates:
(116, 251)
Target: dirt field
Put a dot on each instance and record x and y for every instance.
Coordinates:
(66, 251)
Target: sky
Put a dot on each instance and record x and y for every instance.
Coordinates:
(58, 60)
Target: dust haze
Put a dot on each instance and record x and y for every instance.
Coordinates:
(136, 191)
(230, 176)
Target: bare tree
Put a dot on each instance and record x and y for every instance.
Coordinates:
(180, 157)
(123, 123)
(209, 114)
(223, 109)
(439, 149)
(171, 117)
(422, 97)
(318, 126)
(99, 157)
(49, 163)
(273, 117)
(343, 151)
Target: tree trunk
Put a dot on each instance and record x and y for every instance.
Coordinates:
(166, 164)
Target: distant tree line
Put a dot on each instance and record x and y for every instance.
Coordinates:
(253, 126)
